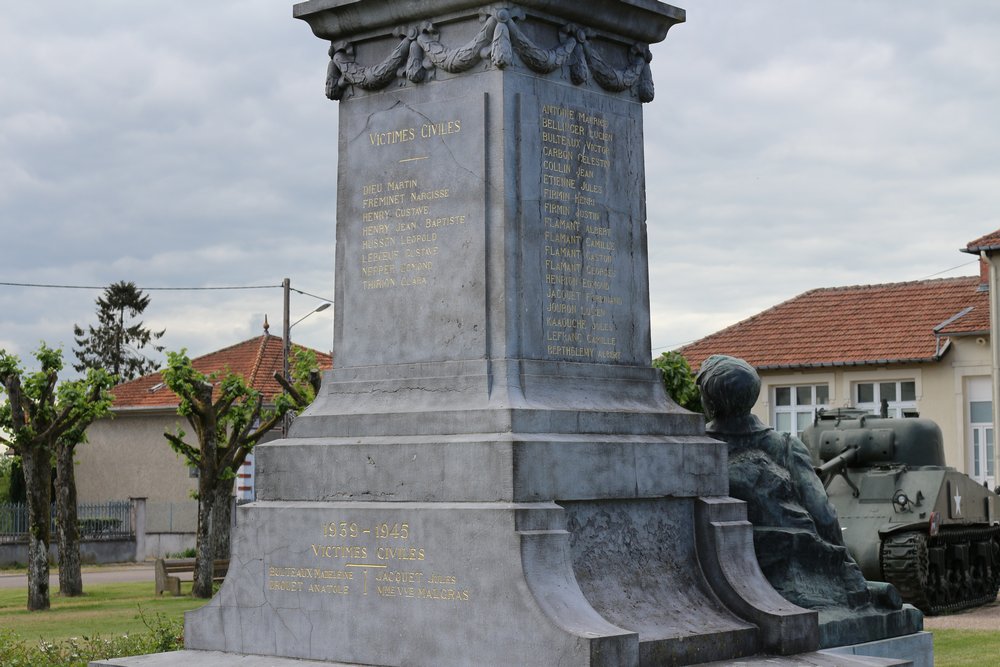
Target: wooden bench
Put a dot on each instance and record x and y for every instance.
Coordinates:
(167, 569)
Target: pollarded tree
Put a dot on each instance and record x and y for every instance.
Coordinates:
(93, 401)
(39, 412)
(116, 344)
(228, 418)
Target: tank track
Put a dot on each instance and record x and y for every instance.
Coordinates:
(956, 569)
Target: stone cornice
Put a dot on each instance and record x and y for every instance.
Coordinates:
(645, 21)
(501, 42)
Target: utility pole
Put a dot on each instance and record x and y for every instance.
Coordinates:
(286, 342)
(286, 328)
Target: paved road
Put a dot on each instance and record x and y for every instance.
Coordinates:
(986, 617)
(91, 575)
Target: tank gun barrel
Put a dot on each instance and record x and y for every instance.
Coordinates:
(838, 463)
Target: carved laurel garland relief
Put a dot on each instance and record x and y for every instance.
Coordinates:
(420, 52)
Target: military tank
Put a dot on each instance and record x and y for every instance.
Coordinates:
(907, 518)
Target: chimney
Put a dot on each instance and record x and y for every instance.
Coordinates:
(984, 274)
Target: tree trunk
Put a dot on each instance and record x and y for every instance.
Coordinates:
(222, 521)
(204, 564)
(37, 468)
(68, 528)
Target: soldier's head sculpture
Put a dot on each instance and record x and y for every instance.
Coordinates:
(729, 388)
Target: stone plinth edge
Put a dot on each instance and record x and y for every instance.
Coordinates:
(504, 39)
(643, 20)
(502, 468)
(209, 659)
(725, 549)
(817, 659)
(917, 648)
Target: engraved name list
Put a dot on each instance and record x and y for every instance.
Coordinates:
(405, 218)
(580, 254)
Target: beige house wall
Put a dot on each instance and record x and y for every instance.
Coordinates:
(941, 389)
(127, 456)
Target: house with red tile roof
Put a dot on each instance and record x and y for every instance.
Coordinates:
(924, 346)
(126, 455)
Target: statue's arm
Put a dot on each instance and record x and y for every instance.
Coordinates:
(811, 492)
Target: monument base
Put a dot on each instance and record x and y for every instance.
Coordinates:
(217, 659)
(209, 659)
(839, 627)
(520, 583)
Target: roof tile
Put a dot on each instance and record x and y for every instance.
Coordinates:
(989, 242)
(863, 324)
(256, 359)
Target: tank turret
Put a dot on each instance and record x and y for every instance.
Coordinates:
(908, 518)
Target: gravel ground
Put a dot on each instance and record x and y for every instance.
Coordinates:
(986, 617)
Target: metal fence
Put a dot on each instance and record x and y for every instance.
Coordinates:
(111, 520)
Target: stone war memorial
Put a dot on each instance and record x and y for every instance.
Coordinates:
(493, 474)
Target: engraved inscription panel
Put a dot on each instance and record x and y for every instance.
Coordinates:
(411, 232)
(590, 235)
(353, 556)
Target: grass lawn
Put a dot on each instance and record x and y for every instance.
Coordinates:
(105, 609)
(972, 648)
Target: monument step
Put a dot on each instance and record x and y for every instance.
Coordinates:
(211, 659)
(811, 660)
(218, 659)
(500, 467)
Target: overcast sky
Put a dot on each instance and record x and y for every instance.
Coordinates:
(791, 145)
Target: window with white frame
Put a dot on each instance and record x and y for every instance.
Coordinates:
(900, 394)
(980, 428)
(795, 406)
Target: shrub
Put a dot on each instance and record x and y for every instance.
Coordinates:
(678, 379)
(162, 635)
(190, 552)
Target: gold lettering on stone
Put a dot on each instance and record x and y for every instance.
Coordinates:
(413, 213)
(373, 559)
(580, 254)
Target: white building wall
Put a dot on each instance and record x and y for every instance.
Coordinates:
(941, 389)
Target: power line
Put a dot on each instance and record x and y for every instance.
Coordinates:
(960, 266)
(147, 289)
(673, 345)
(315, 296)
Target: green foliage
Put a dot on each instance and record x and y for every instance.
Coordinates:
(678, 378)
(229, 418)
(162, 634)
(227, 415)
(6, 477)
(38, 418)
(187, 553)
(166, 634)
(15, 489)
(38, 411)
(303, 364)
(116, 343)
